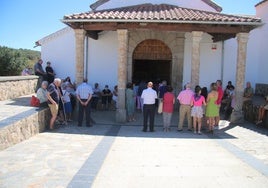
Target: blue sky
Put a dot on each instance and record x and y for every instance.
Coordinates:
(25, 21)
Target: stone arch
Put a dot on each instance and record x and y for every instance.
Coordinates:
(152, 60)
(173, 40)
(152, 49)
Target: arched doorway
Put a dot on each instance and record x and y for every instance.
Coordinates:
(152, 61)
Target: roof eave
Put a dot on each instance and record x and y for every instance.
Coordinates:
(260, 3)
(160, 21)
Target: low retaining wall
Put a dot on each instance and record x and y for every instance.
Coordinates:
(15, 86)
(261, 89)
(33, 123)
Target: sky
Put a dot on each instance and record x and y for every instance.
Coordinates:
(23, 22)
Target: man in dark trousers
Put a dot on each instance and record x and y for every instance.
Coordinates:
(148, 95)
(84, 94)
(39, 71)
(50, 73)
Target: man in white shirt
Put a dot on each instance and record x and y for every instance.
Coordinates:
(84, 94)
(149, 96)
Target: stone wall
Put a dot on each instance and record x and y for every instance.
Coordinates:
(261, 89)
(15, 86)
(24, 128)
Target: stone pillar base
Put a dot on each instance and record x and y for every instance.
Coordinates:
(121, 116)
(237, 117)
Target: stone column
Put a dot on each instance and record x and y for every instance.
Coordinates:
(79, 50)
(177, 63)
(196, 37)
(122, 74)
(242, 39)
(79, 59)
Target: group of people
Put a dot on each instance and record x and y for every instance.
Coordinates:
(248, 94)
(199, 103)
(193, 105)
(47, 75)
(61, 95)
(107, 97)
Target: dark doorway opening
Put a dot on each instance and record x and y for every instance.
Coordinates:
(152, 70)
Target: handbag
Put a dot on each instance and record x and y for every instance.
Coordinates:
(160, 107)
(35, 101)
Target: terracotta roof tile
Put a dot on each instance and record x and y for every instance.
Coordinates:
(154, 13)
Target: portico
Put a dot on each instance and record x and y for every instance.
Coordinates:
(133, 30)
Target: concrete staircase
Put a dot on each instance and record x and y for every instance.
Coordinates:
(19, 121)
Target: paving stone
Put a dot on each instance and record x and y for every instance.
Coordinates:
(121, 155)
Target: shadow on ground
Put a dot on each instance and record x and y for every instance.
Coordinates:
(22, 101)
(105, 122)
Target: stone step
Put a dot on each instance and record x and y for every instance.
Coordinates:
(20, 121)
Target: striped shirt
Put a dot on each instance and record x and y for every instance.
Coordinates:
(53, 92)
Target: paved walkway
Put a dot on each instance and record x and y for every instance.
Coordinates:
(113, 155)
(15, 109)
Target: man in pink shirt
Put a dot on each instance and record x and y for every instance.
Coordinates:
(184, 98)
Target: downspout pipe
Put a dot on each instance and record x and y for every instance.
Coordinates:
(222, 60)
(86, 58)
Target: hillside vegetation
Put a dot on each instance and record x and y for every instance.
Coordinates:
(13, 61)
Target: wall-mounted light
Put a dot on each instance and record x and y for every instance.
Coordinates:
(214, 46)
(143, 24)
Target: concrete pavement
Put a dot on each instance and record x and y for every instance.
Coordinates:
(113, 155)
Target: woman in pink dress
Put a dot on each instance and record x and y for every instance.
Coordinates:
(197, 111)
(168, 106)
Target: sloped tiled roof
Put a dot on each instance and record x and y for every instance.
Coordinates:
(162, 13)
(260, 3)
(213, 5)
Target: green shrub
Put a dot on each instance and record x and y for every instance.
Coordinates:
(13, 61)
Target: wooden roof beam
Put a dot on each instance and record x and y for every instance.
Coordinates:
(93, 34)
(216, 37)
(220, 28)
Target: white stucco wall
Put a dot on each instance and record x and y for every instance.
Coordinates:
(257, 56)
(262, 33)
(194, 4)
(253, 59)
(59, 49)
(230, 61)
(103, 60)
(210, 61)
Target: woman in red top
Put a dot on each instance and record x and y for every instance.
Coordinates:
(168, 106)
